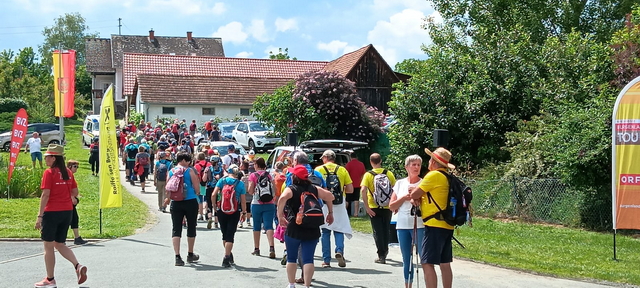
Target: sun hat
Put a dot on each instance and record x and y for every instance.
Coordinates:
(54, 150)
(442, 156)
(329, 153)
(301, 172)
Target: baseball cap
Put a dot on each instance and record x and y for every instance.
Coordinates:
(300, 172)
(231, 147)
(329, 153)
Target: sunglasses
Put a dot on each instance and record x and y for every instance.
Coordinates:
(74, 166)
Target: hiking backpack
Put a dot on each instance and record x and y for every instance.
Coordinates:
(202, 174)
(212, 176)
(161, 171)
(456, 213)
(334, 185)
(315, 180)
(263, 189)
(228, 202)
(132, 151)
(175, 185)
(309, 213)
(382, 188)
(143, 161)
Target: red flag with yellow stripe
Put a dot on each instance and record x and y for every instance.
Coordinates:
(64, 82)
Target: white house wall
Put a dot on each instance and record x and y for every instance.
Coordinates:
(191, 112)
(100, 82)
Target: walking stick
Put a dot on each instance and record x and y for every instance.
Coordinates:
(414, 246)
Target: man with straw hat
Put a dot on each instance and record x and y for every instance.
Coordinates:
(436, 244)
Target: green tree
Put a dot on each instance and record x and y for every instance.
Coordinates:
(281, 55)
(68, 31)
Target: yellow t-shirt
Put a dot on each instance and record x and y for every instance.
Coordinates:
(367, 181)
(343, 174)
(438, 185)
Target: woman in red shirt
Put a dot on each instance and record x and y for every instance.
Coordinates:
(59, 191)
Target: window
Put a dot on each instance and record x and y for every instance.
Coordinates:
(208, 111)
(168, 110)
(244, 112)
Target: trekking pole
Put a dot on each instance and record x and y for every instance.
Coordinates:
(415, 247)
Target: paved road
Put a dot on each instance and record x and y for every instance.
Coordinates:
(146, 260)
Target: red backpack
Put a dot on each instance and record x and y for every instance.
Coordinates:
(228, 202)
(175, 184)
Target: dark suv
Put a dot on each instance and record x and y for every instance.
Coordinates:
(49, 133)
(314, 150)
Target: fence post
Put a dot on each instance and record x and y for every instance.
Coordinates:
(514, 194)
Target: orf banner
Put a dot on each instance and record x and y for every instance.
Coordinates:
(110, 189)
(64, 82)
(626, 158)
(18, 133)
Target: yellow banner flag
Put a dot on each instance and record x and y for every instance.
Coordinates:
(110, 188)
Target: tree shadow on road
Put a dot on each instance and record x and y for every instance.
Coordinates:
(254, 269)
(144, 242)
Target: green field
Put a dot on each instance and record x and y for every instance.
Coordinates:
(18, 216)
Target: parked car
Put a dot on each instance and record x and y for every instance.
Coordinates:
(221, 146)
(90, 129)
(254, 135)
(49, 133)
(226, 132)
(314, 150)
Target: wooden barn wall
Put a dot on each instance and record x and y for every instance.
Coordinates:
(373, 80)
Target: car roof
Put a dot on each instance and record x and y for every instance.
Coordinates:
(93, 117)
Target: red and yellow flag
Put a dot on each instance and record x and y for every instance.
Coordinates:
(64, 82)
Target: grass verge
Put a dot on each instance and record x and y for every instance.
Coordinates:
(551, 250)
(18, 216)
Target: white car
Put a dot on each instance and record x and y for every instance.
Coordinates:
(254, 135)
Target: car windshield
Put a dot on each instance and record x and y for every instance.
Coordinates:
(223, 150)
(257, 127)
(227, 128)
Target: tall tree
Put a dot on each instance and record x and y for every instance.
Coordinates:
(281, 55)
(68, 31)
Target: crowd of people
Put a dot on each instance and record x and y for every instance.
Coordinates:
(294, 203)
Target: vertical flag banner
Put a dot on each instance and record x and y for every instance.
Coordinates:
(625, 158)
(18, 133)
(64, 82)
(110, 188)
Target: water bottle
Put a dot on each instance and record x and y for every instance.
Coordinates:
(453, 203)
(300, 215)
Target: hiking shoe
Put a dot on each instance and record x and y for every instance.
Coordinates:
(231, 261)
(81, 272)
(326, 265)
(209, 223)
(225, 262)
(272, 254)
(80, 241)
(284, 260)
(179, 261)
(381, 261)
(192, 258)
(45, 283)
(215, 225)
(256, 252)
(248, 223)
(200, 217)
(240, 226)
(341, 262)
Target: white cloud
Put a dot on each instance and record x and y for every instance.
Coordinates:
(219, 8)
(335, 47)
(283, 25)
(187, 7)
(231, 32)
(258, 31)
(402, 32)
(244, 54)
(306, 36)
(272, 49)
(385, 5)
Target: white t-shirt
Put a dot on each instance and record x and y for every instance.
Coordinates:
(226, 160)
(35, 144)
(404, 217)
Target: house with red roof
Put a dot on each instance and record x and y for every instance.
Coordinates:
(201, 87)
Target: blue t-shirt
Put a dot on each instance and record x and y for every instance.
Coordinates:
(287, 182)
(191, 193)
(240, 190)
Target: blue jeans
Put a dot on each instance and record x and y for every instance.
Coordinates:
(263, 214)
(326, 244)
(404, 237)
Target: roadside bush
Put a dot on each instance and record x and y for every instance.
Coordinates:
(12, 105)
(25, 182)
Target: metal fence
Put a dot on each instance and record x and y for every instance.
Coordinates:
(534, 200)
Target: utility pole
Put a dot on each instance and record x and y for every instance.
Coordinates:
(119, 26)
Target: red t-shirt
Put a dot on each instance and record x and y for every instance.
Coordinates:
(60, 190)
(207, 126)
(356, 171)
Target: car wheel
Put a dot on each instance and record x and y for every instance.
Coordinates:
(56, 142)
(7, 146)
(252, 146)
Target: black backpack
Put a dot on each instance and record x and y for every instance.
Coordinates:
(264, 189)
(456, 211)
(334, 185)
(132, 151)
(309, 214)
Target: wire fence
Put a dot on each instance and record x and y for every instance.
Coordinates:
(533, 200)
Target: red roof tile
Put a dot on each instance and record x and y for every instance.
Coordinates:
(205, 89)
(346, 62)
(179, 65)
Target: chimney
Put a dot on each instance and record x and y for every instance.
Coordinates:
(152, 37)
(189, 37)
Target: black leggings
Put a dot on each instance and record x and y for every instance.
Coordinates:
(95, 163)
(208, 199)
(74, 218)
(228, 225)
(180, 209)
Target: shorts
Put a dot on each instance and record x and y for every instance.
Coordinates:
(436, 246)
(248, 207)
(355, 196)
(144, 175)
(55, 225)
(200, 199)
(131, 165)
(36, 155)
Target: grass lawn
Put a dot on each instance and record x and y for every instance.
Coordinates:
(18, 216)
(552, 250)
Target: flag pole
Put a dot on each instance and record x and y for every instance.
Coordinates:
(615, 258)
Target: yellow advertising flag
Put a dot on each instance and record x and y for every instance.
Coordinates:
(110, 188)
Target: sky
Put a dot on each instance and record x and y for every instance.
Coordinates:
(311, 30)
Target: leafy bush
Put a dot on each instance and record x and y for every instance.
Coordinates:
(41, 113)
(12, 105)
(25, 182)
